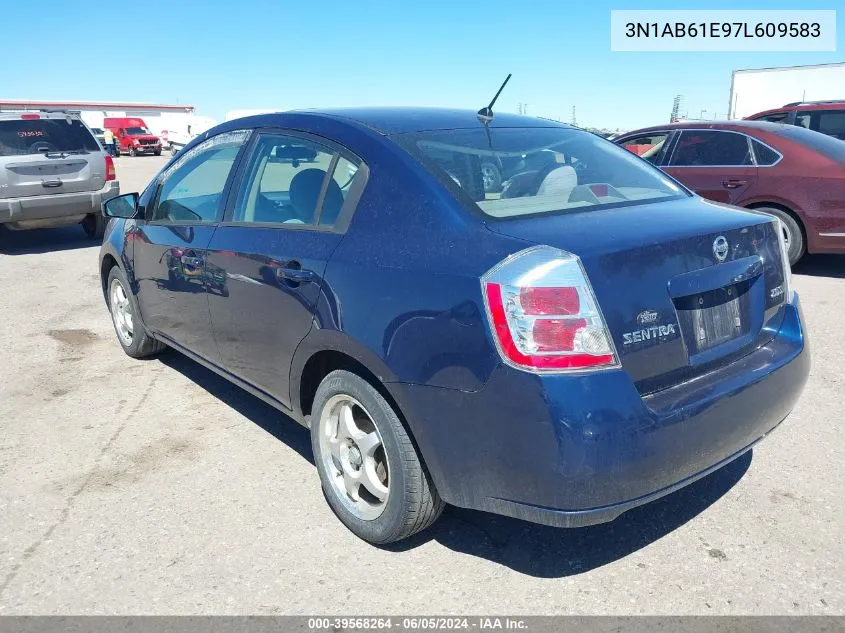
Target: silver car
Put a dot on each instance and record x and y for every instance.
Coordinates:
(53, 172)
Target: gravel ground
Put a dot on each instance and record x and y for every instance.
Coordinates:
(155, 487)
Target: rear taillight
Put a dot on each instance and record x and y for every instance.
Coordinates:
(111, 174)
(543, 313)
(784, 257)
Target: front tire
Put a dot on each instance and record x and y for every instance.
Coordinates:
(133, 152)
(370, 471)
(792, 233)
(131, 335)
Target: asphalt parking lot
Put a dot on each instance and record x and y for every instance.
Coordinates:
(156, 487)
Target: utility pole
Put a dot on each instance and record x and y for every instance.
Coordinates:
(574, 120)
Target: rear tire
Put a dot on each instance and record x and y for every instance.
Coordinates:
(793, 233)
(94, 225)
(405, 500)
(131, 334)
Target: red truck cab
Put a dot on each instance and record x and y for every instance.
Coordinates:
(132, 136)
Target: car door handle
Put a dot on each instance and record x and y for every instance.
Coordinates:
(733, 184)
(295, 275)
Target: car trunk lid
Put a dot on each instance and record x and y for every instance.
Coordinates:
(44, 175)
(682, 288)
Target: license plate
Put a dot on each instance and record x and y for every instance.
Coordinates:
(714, 317)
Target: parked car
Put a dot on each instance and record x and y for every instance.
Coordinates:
(561, 355)
(133, 136)
(827, 117)
(790, 172)
(53, 173)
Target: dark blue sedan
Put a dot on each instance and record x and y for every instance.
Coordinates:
(582, 339)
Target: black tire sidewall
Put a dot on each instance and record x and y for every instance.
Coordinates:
(391, 522)
(796, 244)
(99, 225)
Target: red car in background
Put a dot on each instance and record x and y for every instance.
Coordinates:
(788, 171)
(827, 117)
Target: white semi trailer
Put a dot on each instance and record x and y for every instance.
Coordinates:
(757, 89)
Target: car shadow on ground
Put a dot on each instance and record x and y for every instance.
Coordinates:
(531, 549)
(44, 240)
(547, 552)
(254, 409)
(821, 266)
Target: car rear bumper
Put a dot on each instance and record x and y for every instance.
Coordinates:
(55, 209)
(578, 450)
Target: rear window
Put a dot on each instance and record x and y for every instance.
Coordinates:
(826, 145)
(37, 136)
(511, 172)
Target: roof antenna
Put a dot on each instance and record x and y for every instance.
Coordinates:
(485, 115)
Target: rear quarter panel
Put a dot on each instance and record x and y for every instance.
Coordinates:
(806, 183)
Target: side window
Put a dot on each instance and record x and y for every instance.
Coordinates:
(285, 180)
(652, 147)
(765, 155)
(802, 119)
(702, 148)
(342, 176)
(192, 188)
(778, 117)
(832, 123)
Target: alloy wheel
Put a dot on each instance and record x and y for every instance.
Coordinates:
(354, 458)
(121, 312)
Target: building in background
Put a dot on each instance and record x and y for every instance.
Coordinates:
(165, 121)
(756, 89)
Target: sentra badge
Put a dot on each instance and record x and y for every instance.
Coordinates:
(652, 332)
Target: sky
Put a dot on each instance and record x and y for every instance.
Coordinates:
(224, 55)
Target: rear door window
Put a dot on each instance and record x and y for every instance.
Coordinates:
(294, 182)
(711, 148)
(20, 137)
(832, 123)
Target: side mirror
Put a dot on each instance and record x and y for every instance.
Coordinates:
(125, 206)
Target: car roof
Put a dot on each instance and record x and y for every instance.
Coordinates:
(748, 127)
(801, 106)
(399, 120)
